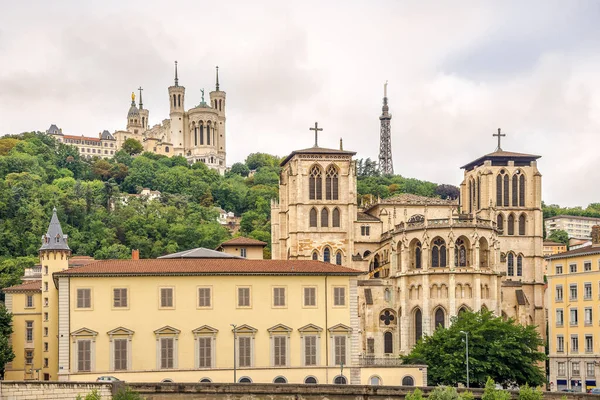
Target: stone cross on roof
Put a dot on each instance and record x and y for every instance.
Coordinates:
(316, 129)
(500, 136)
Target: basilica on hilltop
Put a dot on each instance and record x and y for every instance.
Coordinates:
(424, 259)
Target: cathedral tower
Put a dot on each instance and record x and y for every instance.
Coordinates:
(54, 255)
(134, 119)
(217, 101)
(143, 112)
(177, 108)
(386, 165)
(506, 188)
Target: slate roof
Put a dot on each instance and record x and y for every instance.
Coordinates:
(31, 286)
(199, 252)
(185, 267)
(363, 216)
(53, 130)
(573, 217)
(582, 251)
(500, 156)
(521, 298)
(243, 241)
(316, 150)
(54, 238)
(106, 135)
(133, 111)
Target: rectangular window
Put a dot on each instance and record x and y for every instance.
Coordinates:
(45, 302)
(365, 230)
(204, 297)
(29, 301)
(559, 317)
(45, 346)
(590, 369)
(29, 331)
(310, 350)
(574, 319)
(279, 351)
(205, 352)
(46, 331)
(573, 291)
(243, 252)
(84, 355)
(339, 296)
(370, 346)
(310, 297)
(572, 268)
(560, 344)
(46, 316)
(166, 297)
(339, 346)
(559, 293)
(559, 270)
(245, 351)
(279, 297)
(587, 291)
(588, 316)
(28, 356)
(84, 298)
(46, 270)
(120, 297)
(46, 363)
(561, 369)
(574, 343)
(166, 353)
(587, 266)
(244, 297)
(575, 369)
(589, 343)
(120, 354)
(45, 286)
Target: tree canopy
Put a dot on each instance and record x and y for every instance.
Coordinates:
(6, 352)
(132, 146)
(509, 353)
(559, 236)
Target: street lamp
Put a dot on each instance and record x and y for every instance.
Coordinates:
(234, 352)
(467, 353)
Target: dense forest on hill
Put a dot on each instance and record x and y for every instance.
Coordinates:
(103, 221)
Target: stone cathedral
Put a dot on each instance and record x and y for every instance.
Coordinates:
(197, 133)
(424, 259)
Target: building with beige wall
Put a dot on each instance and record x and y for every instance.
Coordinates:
(577, 227)
(249, 248)
(574, 317)
(179, 318)
(425, 259)
(551, 248)
(103, 146)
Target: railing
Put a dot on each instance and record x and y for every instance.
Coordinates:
(461, 221)
(372, 361)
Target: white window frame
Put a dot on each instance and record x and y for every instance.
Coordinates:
(120, 306)
(91, 299)
(285, 293)
(344, 296)
(333, 350)
(559, 289)
(586, 286)
(243, 252)
(167, 332)
(250, 338)
(314, 289)
(160, 304)
(120, 334)
(560, 344)
(274, 338)
(586, 321)
(210, 298)
(237, 296)
(81, 335)
(205, 332)
(27, 303)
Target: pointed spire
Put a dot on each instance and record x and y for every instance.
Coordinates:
(385, 109)
(217, 78)
(54, 239)
(141, 103)
(176, 78)
(341, 144)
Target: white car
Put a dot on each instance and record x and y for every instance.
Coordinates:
(107, 379)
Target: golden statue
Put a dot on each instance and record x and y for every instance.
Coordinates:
(132, 96)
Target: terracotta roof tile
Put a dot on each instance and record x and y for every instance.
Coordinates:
(228, 266)
(583, 251)
(362, 216)
(31, 286)
(243, 241)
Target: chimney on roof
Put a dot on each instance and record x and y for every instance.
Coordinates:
(596, 235)
(135, 254)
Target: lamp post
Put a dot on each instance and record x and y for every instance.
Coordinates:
(467, 353)
(234, 353)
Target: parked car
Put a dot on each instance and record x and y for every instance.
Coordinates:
(107, 379)
(595, 391)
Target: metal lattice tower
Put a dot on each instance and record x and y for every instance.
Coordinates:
(386, 165)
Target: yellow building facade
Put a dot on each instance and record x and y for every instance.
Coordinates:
(574, 317)
(191, 319)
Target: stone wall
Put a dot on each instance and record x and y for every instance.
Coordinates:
(24, 390)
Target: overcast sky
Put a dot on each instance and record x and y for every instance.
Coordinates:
(457, 71)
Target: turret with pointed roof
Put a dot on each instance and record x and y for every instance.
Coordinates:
(54, 239)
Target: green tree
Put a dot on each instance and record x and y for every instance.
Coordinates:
(491, 393)
(132, 147)
(504, 350)
(6, 352)
(559, 236)
(257, 160)
(239, 169)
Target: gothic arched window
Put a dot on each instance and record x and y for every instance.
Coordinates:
(515, 190)
(522, 224)
(511, 224)
(174, 101)
(331, 183)
(201, 133)
(326, 254)
(438, 253)
(408, 381)
(315, 255)
(324, 217)
(315, 184)
(470, 188)
(510, 262)
(478, 192)
(520, 265)
(195, 135)
(335, 218)
(338, 258)
(418, 325)
(522, 190)
(220, 105)
(460, 253)
(313, 218)
(500, 223)
(440, 318)
(418, 256)
(178, 100)
(388, 343)
(499, 191)
(505, 191)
